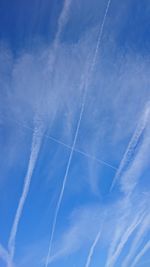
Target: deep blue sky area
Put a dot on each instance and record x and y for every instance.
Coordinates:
(23, 24)
(74, 133)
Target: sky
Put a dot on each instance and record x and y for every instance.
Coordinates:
(74, 133)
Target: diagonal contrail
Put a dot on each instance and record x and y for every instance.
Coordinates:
(4, 255)
(36, 143)
(85, 86)
(92, 249)
(141, 254)
(63, 18)
(124, 239)
(137, 241)
(132, 145)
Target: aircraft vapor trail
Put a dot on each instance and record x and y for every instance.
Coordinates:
(69, 147)
(76, 134)
(124, 239)
(62, 20)
(4, 254)
(114, 242)
(132, 145)
(61, 23)
(36, 142)
(141, 254)
(136, 241)
(92, 249)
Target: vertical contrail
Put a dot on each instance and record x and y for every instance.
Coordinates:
(92, 249)
(86, 84)
(36, 142)
(132, 145)
(141, 254)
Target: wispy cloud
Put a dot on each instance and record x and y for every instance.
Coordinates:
(79, 234)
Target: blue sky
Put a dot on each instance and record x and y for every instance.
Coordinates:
(74, 133)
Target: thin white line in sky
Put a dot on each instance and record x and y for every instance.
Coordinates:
(85, 87)
(100, 161)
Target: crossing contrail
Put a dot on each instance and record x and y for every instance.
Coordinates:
(132, 145)
(84, 89)
(36, 143)
(98, 160)
(141, 254)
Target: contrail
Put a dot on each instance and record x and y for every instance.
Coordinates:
(95, 159)
(100, 161)
(62, 20)
(115, 241)
(132, 145)
(124, 239)
(136, 242)
(4, 254)
(92, 249)
(141, 254)
(76, 133)
(36, 143)
(61, 23)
